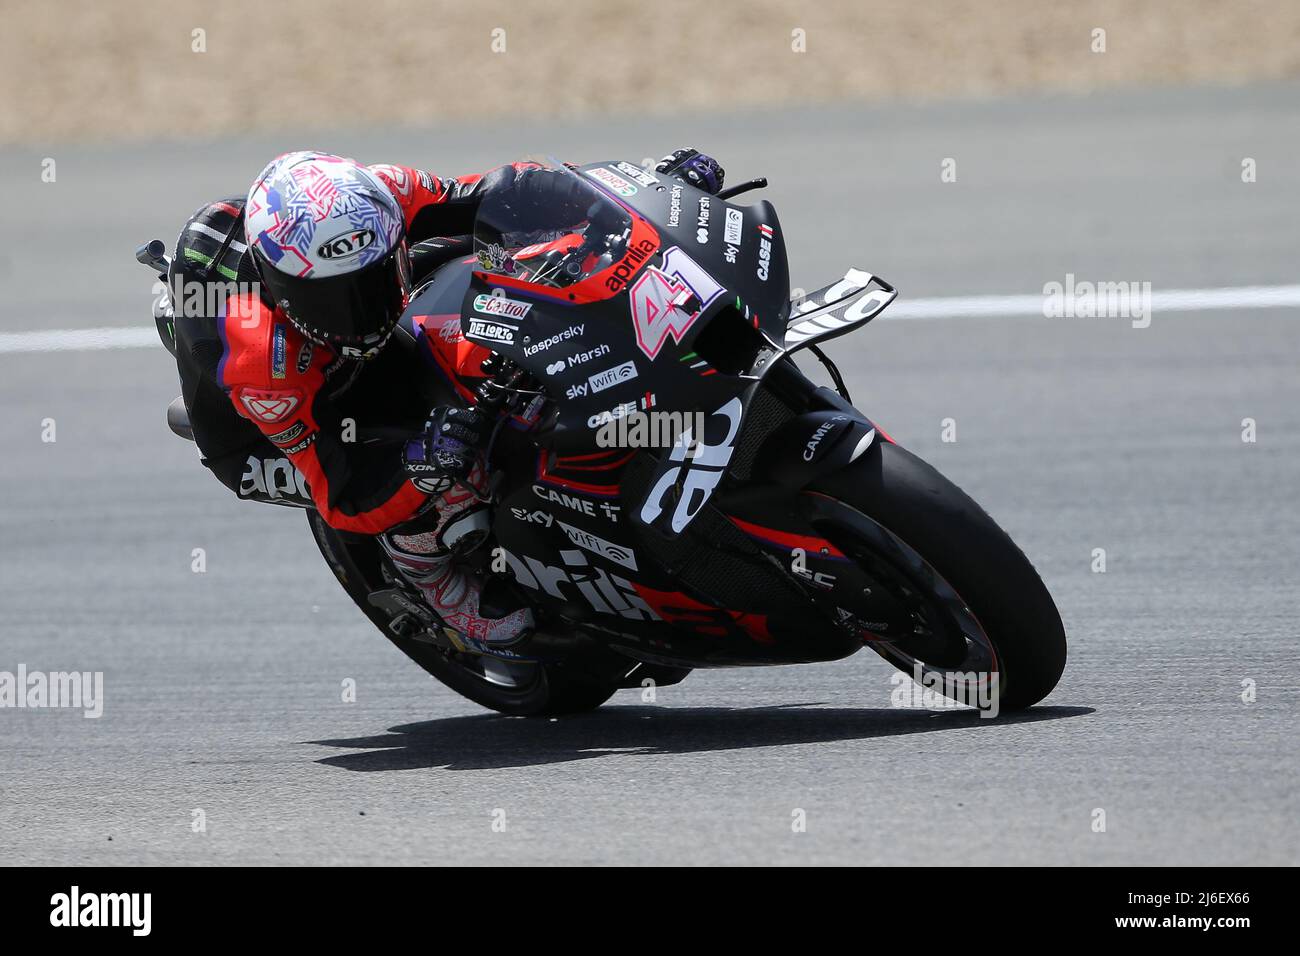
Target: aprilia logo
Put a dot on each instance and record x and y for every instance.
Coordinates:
(699, 470)
(273, 478)
(606, 593)
(628, 265)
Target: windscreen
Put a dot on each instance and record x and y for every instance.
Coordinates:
(551, 227)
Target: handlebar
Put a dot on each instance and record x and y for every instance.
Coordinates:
(736, 190)
(154, 255)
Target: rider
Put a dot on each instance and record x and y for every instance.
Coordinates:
(319, 265)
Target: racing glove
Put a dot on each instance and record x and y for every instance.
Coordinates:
(447, 450)
(695, 168)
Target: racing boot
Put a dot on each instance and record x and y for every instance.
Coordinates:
(426, 558)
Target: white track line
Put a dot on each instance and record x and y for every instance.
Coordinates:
(79, 340)
(948, 307)
(1166, 300)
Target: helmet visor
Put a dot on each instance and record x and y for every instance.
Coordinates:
(358, 309)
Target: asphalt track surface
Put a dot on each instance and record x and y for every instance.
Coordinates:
(223, 689)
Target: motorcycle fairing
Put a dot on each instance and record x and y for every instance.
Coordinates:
(640, 349)
(841, 307)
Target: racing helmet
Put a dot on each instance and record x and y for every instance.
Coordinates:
(329, 241)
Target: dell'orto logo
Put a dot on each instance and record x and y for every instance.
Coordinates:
(346, 244)
(129, 910)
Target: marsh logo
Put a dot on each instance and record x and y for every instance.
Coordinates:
(128, 910)
(346, 245)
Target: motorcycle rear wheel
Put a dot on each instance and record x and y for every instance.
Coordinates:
(516, 689)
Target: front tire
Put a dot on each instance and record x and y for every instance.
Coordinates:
(932, 516)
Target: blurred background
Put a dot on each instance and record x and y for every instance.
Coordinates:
(84, 70)
(959, 150)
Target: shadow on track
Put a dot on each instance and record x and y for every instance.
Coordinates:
(487, 741)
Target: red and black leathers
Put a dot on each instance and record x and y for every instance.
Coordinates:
(264, 400)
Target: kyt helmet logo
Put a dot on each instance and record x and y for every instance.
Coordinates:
(347, 244)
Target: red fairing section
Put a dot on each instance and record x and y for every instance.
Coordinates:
(275, 377)
(685, 611)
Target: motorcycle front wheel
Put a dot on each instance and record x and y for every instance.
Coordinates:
(977, 610)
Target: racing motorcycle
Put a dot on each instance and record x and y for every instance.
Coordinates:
(670, 491)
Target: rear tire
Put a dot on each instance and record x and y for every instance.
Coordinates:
(935, 518)
(549, 690)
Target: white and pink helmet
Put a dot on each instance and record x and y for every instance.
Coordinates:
(329, 240)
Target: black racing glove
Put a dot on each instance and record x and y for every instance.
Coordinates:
(695, 168)
(448, 448)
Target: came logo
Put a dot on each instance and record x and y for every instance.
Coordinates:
(826, 427)
(577, 503)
